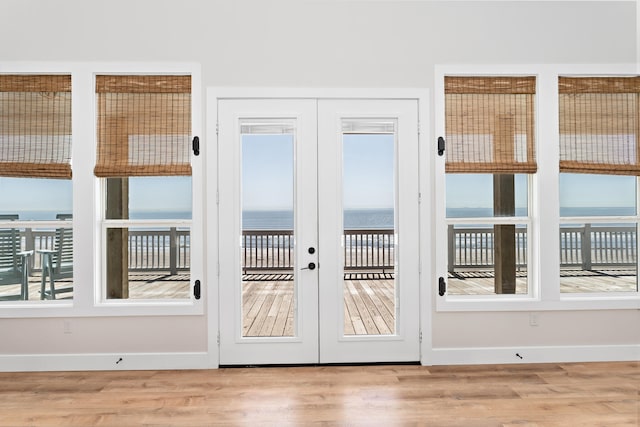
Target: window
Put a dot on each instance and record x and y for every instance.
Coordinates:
(599, 165)
(107, 222)
(36, 239)
(547, 156)
(144, 137)
(490, 154)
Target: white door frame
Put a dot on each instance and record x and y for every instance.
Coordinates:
(426, 158)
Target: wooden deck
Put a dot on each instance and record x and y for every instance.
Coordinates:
(268, 305)
(572, 280)
(142, 285)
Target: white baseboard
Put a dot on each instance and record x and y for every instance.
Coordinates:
(103, 362)
(195, 360)
(551, 354)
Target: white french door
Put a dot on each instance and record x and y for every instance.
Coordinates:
(318, 211)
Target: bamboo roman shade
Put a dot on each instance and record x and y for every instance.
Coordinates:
(35, 126)
(600, 125)
(144, 125)
(490, 124)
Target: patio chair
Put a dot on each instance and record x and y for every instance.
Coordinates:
(14, 263)
(57, 263)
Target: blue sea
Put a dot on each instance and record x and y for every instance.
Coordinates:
(51, 215)
(564, 212)
(283, 220)
(353, 218)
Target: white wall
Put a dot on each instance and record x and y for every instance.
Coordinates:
(327, 43)
(330, 43)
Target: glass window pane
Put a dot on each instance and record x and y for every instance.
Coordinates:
(34, 199)
(36, 263)
(164, 197)
(148, 263)
(472, 195)
(370, 288)
(487, 259)
(598, 258)
(597, 195)
(267, 242)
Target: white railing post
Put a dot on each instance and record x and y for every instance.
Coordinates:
(29, 245)
(451, 248)
(586, 247)
(173, 250)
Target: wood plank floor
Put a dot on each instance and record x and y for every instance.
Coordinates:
(589, 394)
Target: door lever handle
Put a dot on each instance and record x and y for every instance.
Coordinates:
(311, 266)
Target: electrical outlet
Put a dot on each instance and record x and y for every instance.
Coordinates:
(533, 319)
(66, 326)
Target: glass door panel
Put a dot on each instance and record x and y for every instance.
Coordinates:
(368, 191)
(268, 234)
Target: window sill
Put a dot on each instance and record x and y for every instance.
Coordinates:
(511, 303)
(26, 309)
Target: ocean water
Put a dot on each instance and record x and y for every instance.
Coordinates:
(51, 215)
(283, 220)
(564, 211)
(353, 218)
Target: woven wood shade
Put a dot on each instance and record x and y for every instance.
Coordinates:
(35, 126)
(490, 124)
(144, 126)
(600, 125)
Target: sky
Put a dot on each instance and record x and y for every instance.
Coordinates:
(267, 177)
(576, 190)
(56, 195)
(268, 172)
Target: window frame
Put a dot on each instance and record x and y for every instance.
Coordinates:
(544, 203)
(87, 201)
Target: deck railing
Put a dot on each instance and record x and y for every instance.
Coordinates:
(149, 250)
(585, 247)
(371, 249)
(267, 250)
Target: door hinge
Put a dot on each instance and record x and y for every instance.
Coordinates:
(196, 146)
(442, 286)
(420, 336)
(197, 290)
(419, 128)
(441, 146)
(217, 128)
(217, 197)
(218, 338)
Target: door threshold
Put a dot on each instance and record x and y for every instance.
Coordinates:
(308, 365)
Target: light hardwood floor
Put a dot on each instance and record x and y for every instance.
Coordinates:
(589, 394)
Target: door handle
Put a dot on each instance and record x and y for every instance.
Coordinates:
(311, 266)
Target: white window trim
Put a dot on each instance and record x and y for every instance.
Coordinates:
(544, 261)
(87, 219)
